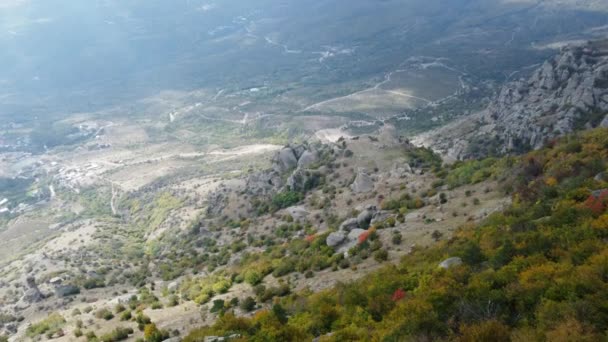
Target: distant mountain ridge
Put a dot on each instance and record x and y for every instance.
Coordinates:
(568, 92)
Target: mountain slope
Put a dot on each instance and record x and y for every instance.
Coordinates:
(535, 272)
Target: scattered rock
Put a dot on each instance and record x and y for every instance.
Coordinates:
(173, 286)
(56, 281)
(450, 262)
(601, 177)
(173, 339)
(221, 339)
(349, 225)
(336, 238)
(299, 213)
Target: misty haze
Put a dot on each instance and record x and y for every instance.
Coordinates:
(322, 170)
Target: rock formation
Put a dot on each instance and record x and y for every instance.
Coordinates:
(363, 182)
(32, 293)
(568, 92)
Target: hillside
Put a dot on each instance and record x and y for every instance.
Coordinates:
(533, 272)
(280, 170)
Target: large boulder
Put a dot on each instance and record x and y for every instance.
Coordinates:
(450, 262)
(349, 225)
(285, 160)
(365, 217)
(363, 182)
(307, 159)
(352, 239)
(353, 235)
(32, 293)
(336, 238)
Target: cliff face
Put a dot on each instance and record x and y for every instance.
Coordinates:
(568, 92)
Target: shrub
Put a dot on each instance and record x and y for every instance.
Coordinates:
(142, 321)
(49, 326)
(119, 308)
(116, 335)
(286, 199)
(173, 300)
(485, 331)
(218, 305)
(397, 238)
(285, 267)
(93, 283)
(381, 255)
(104, 314)
(247, 304)
(126, 316)
(153, 334)
(253, 277)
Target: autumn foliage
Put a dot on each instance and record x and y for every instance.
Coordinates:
(398, 295)
(365, 236)
(310, 238)
(597, 201)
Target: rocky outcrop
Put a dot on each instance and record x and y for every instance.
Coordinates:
(307, 159)
(351, 229)
(293, 161)
(32, 293)
(292, 168)
(285, 160)
(363, 182)
(265, 182)
(303, 180)
(216, 201)
(566, 93)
